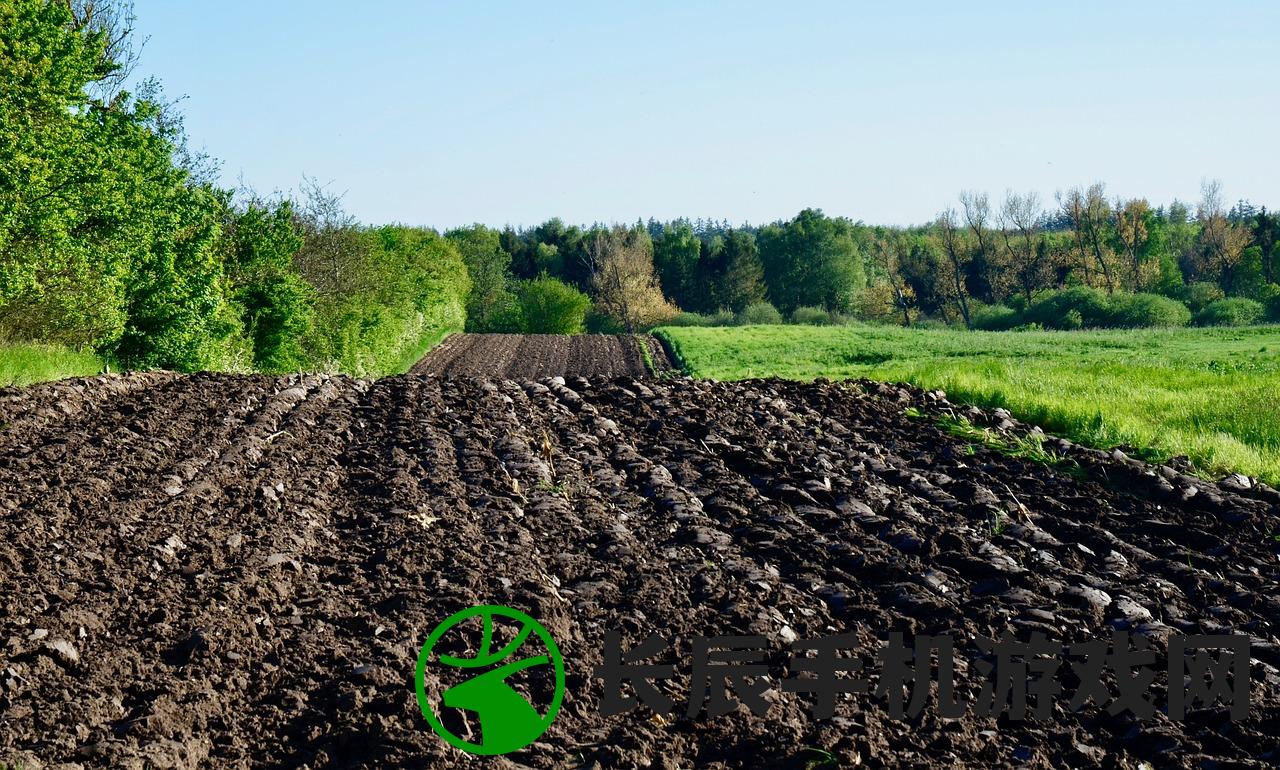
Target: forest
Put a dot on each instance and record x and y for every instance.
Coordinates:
(117, 238)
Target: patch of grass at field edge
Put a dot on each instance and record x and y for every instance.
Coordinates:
(29, 363)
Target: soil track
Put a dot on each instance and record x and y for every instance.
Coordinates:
(531, 356)
(223, 571)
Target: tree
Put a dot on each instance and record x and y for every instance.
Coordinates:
(620, 262)
(491, 299)
(676, 255)
(983, 262)
(1089, 215)
(738, 280)
(551, 306)
(1020, 228)
(1132, 234)
(333, 254)
(1221, 244)
(895, 252)
(1266, 231)
(811, 260)
(275, 303)
(958, 259)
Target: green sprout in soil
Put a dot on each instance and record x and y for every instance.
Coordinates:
(1029, 446)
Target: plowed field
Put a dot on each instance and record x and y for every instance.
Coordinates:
(239, 571)
(530, 356)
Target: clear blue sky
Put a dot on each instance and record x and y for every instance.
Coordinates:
(442, 114)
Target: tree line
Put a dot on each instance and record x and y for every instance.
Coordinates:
(1085, 260)
(115, 236)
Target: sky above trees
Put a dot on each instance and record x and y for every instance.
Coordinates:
(443, 114)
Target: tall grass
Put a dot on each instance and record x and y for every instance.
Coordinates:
(1211, 394)
(26, 364)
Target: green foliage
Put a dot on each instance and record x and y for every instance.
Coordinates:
(1270, 298)
(760, 313)
(1133, 311)
(26, 364)
(995, 318)
(274, 302)
(811, 260)
(812, 316)
(1233, 311)
(737, 275)
(1163, 390)
(412, 287)
(1199, 295)
(1073, 308)
(550, 306)
(491, 306)
(175, 301)
(676, 254)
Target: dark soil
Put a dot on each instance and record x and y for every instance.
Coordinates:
(530, 356)
(235, 571)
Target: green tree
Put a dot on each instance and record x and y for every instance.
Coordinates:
(676, 255)
(551, 306)
(489, 267)
(274, 301)
(739, 279)
(811, 260)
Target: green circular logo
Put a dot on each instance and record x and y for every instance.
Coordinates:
(508, 721)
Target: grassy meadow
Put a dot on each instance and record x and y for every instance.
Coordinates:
(1211, 394)
(26, 364)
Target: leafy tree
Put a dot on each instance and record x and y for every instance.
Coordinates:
(811, 260)
(676, 255)
(1221, 244)
(275, 302)
(625, 286)
(551, 306)
(1089, 215)
(491, 300)
(738, 277)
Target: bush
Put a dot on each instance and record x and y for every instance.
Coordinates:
(602, 323)
(1270, 297)
(689, 319)
(1074, 308)
(994, 318)
(1134, 311)
(409, 288)
(811, 316)
(1198, 296)
(1236, 311)
(551, 306)
(759, 313)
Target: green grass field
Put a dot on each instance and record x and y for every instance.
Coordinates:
(24, 364)
(1211, 394)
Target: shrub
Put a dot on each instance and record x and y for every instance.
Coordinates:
(1270, 296)
(407, 288)
(811, 316)
(689, 319)
(1133, 311)
(760, 313)
(1198, 296)
(994, 318)
(1074, 308)
(551, 306)
(1236, 311)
